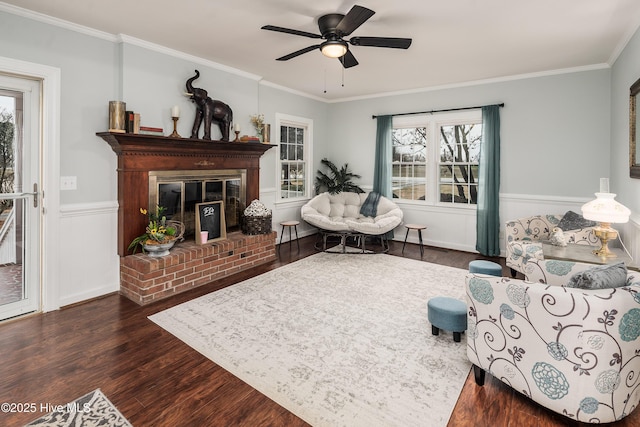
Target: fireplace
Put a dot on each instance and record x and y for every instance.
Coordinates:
(138, 155)
(177, 173)
(179, 192)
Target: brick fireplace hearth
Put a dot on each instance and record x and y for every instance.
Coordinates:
(144, 279)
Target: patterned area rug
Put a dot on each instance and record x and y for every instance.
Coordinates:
(336, 339)
(91, 410)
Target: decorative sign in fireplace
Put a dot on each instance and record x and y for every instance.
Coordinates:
(179, 192)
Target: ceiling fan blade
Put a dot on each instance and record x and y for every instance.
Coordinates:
(392, 42)
(348, 60)
(290, 31)
(357, 16)
(298, 53)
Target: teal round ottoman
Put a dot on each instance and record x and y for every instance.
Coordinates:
(481, 266)
(448, 314)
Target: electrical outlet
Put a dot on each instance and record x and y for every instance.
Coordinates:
(68, 183)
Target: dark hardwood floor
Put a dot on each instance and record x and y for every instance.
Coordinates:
(156, 380)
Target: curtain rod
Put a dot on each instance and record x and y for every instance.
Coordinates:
(437, 111)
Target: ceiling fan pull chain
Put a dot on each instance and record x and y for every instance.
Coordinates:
(325, 80)
(343, 71)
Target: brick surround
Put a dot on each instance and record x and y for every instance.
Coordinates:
(144, 279)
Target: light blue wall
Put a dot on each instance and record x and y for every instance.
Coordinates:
(89, 75)
(153, 82)
(554, 129)
(96, 70)
(625, 71)
(272, 101)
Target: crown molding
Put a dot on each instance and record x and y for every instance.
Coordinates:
(293, 91)
(525, 76)
(123, 38)
(46, 19)
(623, 43)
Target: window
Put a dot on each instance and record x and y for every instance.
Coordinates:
(436, 157)
(294, 135)
(409, 167)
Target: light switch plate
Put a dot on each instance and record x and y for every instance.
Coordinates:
(68, 183)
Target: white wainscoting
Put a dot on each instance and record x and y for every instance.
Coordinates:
(89, 261)
(630, 235)
(285, 211)
(455, 228)
(90, 266)
(447, 227)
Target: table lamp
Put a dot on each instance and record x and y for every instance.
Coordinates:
(605, 210)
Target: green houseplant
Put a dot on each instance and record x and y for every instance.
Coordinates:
(337, 180)
(158, 232)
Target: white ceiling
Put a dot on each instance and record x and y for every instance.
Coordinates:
(454, 41)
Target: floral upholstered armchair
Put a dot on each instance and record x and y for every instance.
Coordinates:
(524, 239)
(574, 351)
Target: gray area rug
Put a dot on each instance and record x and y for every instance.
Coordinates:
(339, 340)
(90, 410)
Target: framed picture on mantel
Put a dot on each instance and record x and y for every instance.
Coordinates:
(210, 222)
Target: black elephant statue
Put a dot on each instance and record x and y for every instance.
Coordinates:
(209, 110)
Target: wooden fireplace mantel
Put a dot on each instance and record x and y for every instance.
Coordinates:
(139, 154)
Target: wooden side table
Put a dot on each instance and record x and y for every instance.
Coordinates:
(289, 224)
(418, 228)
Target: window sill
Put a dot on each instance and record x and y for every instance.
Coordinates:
(284, 203)
(436, 207)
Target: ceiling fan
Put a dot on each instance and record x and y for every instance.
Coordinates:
(333, 27)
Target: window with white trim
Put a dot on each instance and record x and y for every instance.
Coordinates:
(435, 157)
(294, 159)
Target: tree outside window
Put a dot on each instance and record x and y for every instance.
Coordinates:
(459, 160)
(435, 158)
(409, 164)
(7, 131)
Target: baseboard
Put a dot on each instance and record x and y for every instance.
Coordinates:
(96, 293)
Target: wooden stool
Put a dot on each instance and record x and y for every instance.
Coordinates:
(289, 224)
(419, 229)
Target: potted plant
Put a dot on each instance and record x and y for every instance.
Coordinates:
(340, 179)
(159, 235)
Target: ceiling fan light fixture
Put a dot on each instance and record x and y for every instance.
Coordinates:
(334, 48)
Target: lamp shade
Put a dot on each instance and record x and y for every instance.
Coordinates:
(605, 209)
(334, 48)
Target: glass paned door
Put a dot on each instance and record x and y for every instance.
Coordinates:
(19, 211)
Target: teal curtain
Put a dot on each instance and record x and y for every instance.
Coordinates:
(382, 167)
(488, 218)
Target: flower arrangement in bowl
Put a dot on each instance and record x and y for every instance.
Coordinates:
(159, 235)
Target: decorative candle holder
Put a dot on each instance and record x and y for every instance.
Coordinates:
(117, 116)
(237, 139)
(175, 133)
(266, 133)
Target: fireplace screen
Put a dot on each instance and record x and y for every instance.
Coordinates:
(179, 191)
